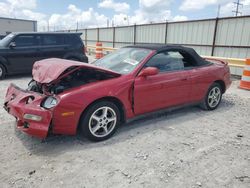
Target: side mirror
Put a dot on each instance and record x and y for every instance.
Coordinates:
(149, 71)
(12, 45)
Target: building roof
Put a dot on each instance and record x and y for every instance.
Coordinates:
(4, 18)
(65, 33)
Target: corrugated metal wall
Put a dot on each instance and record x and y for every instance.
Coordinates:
(151, 33)
(235, 33)
(226, 37)
(106, 36)
(198, 35)
(92, 36)
(124, 34)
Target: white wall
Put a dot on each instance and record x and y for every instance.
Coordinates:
(15, 25)
(232, 35)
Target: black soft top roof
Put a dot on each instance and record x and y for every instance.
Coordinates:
(153, 46)
(162, 47)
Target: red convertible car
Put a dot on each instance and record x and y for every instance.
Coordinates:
(66, 96)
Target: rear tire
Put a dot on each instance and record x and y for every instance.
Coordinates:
(212, 98)
(100, 121)
(2, 72)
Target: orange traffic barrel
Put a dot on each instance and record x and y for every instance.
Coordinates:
(245, 79)
(98, 50)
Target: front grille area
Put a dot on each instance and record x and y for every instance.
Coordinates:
(26, 125)
(5, 107)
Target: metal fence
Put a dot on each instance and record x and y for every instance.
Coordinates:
(225, 37)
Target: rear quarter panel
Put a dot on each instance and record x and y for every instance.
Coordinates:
(203, 77)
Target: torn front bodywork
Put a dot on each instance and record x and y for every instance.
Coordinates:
(37, 109)
(25, 107)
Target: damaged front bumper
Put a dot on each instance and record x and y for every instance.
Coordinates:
(25, 107)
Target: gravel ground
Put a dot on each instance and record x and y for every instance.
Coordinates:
(184, 148)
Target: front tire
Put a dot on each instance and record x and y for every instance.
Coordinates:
(2, 72)
(213, 97)
(100, 121)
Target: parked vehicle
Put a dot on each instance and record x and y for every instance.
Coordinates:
(66, 96)
(19, 51)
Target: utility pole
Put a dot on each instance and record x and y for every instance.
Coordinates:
(48, 25)
(126, 18)
(237, 8)
(76, 26)
(218, 11)
(107, 22)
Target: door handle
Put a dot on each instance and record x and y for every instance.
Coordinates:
(184, 79)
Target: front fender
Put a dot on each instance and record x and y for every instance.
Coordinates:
(67, 113)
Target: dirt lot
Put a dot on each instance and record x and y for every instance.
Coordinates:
(184, 148)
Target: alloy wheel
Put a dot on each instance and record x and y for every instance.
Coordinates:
(214, 97)
(102, 121)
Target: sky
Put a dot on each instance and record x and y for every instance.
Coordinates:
(72, 14)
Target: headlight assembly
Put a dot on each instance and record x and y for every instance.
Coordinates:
(49, 102)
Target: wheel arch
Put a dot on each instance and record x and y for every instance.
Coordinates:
(222, 84)
(2, 62)
(112, 99)
(4, 66)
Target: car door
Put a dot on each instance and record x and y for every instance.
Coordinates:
(53, 46)
(23, 52)
(170, 87)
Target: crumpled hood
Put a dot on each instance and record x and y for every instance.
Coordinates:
(48, 70)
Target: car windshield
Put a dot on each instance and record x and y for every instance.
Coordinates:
(6, 40)
(124, 60)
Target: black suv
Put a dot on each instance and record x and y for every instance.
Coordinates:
(19, 51)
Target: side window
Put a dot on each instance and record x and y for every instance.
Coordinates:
(73, 39)
(167, 61)
(53, 40)
(25, 40)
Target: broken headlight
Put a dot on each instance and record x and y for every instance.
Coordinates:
(49, 102)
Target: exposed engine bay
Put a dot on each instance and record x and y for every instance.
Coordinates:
(70, 78)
